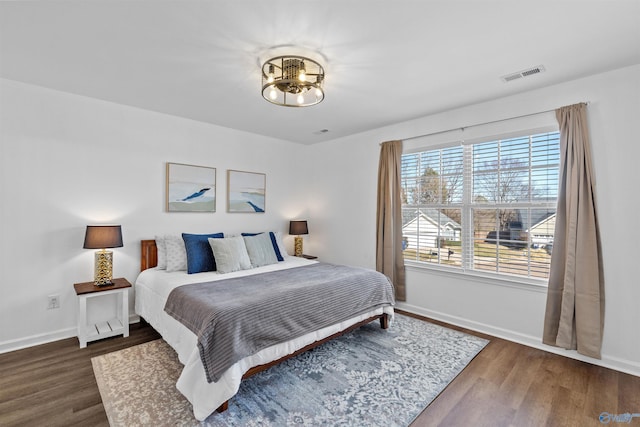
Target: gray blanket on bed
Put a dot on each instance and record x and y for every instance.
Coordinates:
(237, 317)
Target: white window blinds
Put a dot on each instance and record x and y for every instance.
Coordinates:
(487, 206)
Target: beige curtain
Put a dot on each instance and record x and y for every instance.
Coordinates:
(389, 260)
(574, 316)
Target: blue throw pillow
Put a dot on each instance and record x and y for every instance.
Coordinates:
(272, 235)
(199, 253)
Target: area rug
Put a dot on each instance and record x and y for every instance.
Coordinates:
(370, 376)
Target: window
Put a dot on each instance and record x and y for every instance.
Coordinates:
(485, 207)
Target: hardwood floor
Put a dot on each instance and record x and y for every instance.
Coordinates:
(507, 384)
(53, 384)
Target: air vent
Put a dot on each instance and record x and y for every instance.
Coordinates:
(523, 73)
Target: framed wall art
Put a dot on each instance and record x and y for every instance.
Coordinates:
(246, 191)
(190, 188)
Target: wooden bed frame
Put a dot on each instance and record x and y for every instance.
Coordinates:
(149, 259)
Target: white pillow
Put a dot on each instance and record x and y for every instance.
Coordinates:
(230, 254)
(260, 250)
(162, 253)
(176, 253)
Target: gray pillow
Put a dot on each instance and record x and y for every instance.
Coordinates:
(161, 252)
(260, 249)
(176, 253)
(230, 254)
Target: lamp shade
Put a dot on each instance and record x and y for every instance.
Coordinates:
(103, 237)
(298, 227)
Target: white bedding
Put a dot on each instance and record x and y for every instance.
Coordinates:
(152, 289)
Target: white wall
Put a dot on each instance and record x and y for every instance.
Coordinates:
(344, 204)
(67, 161)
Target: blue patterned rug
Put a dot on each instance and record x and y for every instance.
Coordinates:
(368, 377)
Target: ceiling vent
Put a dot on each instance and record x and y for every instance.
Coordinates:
(524, 73)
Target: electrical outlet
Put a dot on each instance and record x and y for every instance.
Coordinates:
(54, 302)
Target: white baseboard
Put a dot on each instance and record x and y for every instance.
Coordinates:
(611, 362)
(33, 340)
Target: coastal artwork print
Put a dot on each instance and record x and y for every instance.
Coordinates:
(246, 191)
(190, 188)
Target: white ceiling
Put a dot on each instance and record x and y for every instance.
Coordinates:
(386, 61)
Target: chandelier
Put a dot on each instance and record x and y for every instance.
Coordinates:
(292, 81)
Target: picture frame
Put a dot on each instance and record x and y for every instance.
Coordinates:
(246, 192)
(190, 188)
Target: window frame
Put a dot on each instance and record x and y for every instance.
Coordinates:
(468, 239)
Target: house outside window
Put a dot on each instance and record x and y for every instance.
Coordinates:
(487, 207)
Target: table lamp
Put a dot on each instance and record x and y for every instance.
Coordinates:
(298, 228)
(103, 237)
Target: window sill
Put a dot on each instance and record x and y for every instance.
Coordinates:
(529, 284)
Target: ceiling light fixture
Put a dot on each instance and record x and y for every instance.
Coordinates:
(292, 81)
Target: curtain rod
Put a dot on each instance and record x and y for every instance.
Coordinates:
(462, 128)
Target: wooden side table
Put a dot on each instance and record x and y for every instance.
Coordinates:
(109, 328)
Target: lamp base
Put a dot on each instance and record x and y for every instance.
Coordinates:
(104, 285)
(297, 246)
(103, 268)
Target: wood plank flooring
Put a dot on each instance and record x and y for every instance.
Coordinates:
(53, 384)
(507, 384)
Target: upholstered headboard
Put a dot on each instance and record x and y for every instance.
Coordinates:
(148, 254)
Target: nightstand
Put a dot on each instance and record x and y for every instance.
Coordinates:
(109, 328)
(309, 256)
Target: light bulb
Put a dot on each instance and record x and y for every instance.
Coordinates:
(302, 74)
(273, 95)
(300, 99)
(318, 92)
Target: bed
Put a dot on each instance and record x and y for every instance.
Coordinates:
(153, 287)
